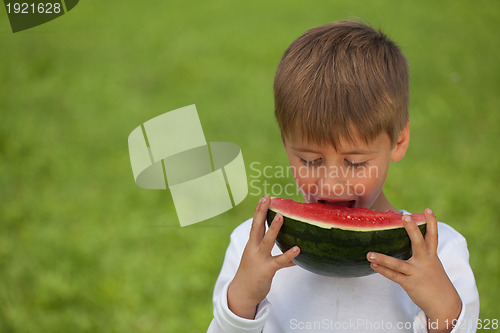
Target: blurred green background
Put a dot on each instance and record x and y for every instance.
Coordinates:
(82, 248)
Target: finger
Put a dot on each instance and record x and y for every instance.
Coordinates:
(290, 264)
(394, 264)
(418, 246)
(258, 224)
(431, 234)
(392, 275)
(270, 237)
(285, 259)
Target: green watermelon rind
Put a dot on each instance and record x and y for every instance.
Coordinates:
(339, 252)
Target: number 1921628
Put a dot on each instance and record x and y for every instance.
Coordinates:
(32, 8)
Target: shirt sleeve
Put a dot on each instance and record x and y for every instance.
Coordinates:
(225, 321)
(454, 256)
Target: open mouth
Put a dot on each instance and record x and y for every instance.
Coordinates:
(349, 203)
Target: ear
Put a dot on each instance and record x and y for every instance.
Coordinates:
(399, 149)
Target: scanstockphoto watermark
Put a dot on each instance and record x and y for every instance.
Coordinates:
(351, 325)
(275, 180)
(361, 324)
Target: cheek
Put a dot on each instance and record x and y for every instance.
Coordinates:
(371, 187)
(305, 181)
(302, 176)
(373, 183)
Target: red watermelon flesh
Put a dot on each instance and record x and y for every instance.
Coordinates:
(340, 217)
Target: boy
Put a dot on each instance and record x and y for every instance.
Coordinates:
(341, 102)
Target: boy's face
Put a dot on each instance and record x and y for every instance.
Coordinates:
(352, 175)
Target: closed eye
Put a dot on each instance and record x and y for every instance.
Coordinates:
(307, 163)
(356, 164)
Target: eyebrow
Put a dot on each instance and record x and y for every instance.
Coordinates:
(350, 152)
(358, 152)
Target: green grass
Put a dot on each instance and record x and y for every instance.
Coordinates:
(83, 248)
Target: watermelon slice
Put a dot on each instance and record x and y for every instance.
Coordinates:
(334, 240)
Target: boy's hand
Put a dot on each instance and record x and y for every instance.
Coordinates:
(423, 276)
(252, 281)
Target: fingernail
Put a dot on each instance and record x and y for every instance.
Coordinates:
(295, 249)
(429, 211)
(407, 218)
(263, 199)
(277, 217)
(374, 264)
(371, 255)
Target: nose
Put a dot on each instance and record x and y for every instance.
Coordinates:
(334, 182)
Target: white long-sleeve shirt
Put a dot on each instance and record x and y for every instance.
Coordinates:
(301, 301)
